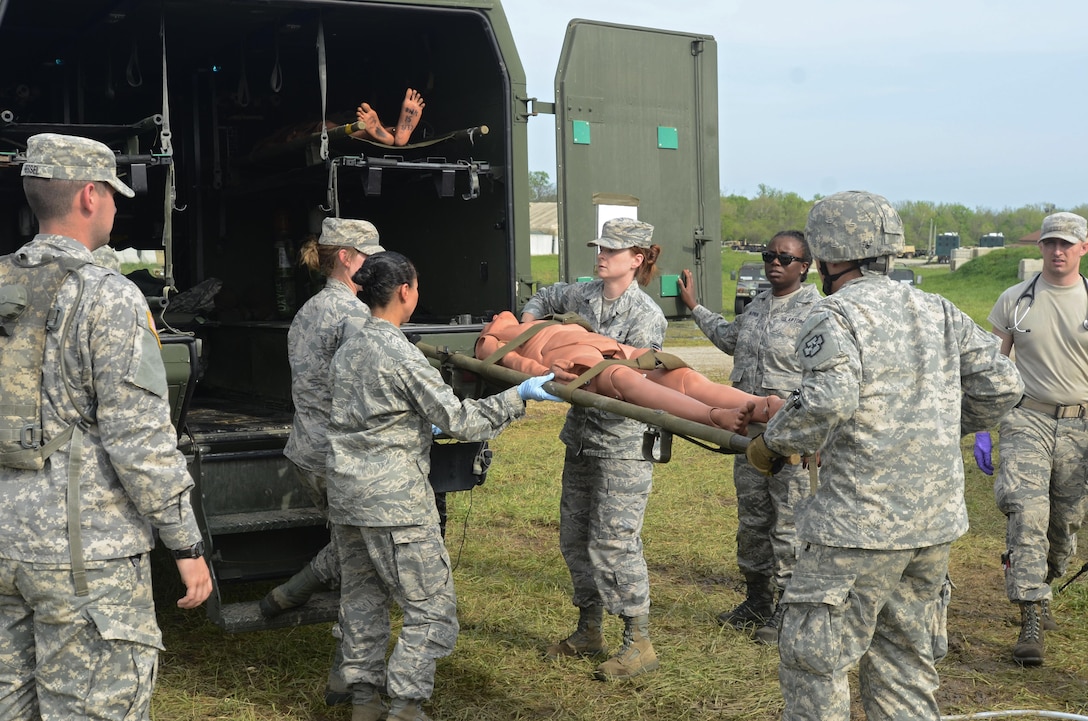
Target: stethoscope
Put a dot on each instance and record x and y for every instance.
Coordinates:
(1029, 296)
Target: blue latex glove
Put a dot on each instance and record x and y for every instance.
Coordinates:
(435, 430)
(533, 389)
(984, 447)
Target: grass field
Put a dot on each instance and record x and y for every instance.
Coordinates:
(513, 593)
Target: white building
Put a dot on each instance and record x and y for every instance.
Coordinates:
(543, 229)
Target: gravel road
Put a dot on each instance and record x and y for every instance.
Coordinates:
(704, 358)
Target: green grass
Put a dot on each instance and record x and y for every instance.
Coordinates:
(513, 599)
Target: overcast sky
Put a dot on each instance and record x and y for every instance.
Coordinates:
(980, 102)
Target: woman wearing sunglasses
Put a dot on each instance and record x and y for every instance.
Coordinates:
(762, 341)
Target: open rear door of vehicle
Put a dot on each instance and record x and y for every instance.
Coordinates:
(637, 136)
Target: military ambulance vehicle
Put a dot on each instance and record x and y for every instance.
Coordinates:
(215, 109)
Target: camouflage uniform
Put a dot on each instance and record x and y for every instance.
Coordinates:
(891, 379)
(69, 656)
(386, 396)
(764, 346)
(315, 334)
(606, 483)
(1042, 480)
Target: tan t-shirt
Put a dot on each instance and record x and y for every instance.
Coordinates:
(1049, 339)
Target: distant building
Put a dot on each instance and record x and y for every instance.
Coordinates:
(543, 229)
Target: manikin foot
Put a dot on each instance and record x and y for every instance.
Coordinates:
(411, 110)
(369, 118)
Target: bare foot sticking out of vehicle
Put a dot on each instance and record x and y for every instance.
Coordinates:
(369, 118)
(411, 110)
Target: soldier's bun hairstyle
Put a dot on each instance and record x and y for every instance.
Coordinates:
(381, 275)
(646, 272)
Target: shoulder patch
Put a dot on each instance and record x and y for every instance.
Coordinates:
(812, 345)
(819, 341)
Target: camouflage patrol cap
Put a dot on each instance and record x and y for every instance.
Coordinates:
(620, 233)
(853, 225)
(1069, 227)
(350, 233)
(69, 157)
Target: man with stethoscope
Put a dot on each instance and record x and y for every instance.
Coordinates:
(1041, 483)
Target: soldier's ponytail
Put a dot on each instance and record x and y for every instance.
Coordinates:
(646, 272)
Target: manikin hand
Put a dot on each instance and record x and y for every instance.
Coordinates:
(563, 370)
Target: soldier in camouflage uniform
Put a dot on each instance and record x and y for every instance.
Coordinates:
(314, 336)
(387, 399)
(606, 482)
(1040, 484)
(763, 343)
(78, 635)
(891, 378)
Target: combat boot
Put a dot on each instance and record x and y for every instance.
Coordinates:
(1028, 650)
(1049, 624)
(406, 709)
(767, 634)
(586, 640)
(295, 592)
(755, 609)
(337, 691)
(367, 704)
(636, 657)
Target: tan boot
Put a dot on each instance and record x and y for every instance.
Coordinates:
(406, 709)
(367, 704)
(373, 710)
(637, 655)
(295, 592)
(586, 639)
(1029, 648)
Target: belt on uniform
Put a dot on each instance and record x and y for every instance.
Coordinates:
(1052, 410)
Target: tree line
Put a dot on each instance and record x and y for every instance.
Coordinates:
(754, 221)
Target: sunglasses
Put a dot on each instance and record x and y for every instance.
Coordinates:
(783, 259)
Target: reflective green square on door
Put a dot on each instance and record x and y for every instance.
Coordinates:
(579, 132)
(668, 138)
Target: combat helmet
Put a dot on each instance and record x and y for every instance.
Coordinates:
(854, 225)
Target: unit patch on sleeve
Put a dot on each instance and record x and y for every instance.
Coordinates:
(813, 345)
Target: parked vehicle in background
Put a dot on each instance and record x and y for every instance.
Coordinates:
(905, 275)
(751, 281)
(946, 243)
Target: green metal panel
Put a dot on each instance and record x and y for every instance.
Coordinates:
(649, 99)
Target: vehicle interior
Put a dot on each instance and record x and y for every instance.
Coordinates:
(215, 109)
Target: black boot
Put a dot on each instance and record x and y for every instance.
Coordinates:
(767, 634)
(1049, 624)
(1029, 648)
(755, 609)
